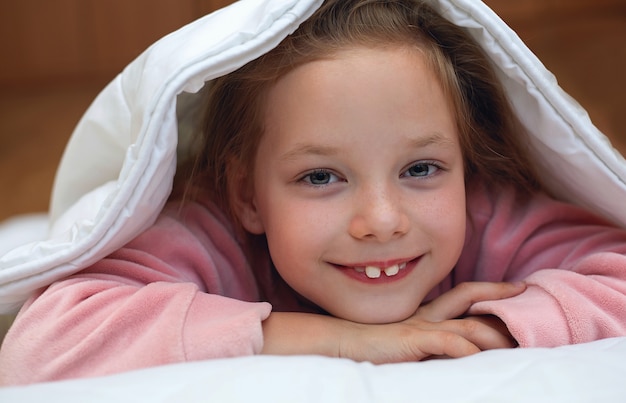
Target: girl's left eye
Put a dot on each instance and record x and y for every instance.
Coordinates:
(320, 178)
(421, 170)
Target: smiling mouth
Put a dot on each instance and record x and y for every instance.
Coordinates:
(373, 271)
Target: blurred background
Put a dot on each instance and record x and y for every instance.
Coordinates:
(58, 54)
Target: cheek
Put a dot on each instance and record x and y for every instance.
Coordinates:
(291, 228)
(448, 219)
(455, 217)
(300, 226)
(299, 235)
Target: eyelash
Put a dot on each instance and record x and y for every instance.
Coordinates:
(308, 177)
(428, 164)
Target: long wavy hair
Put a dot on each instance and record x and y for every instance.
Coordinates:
(490, 134)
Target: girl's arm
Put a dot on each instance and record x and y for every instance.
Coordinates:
(176, 293)
(579, 305)
(573, 263)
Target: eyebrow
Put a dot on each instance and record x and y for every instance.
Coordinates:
(309, 149)
(435, 138)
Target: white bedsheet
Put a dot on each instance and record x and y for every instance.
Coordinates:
(592, 372)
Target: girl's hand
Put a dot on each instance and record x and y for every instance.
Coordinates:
(453, 305)
(436, 329)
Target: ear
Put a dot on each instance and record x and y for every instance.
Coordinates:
(243, 204)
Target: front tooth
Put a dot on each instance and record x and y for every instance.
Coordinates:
(372, 272)
(392, 270)
(402, 266)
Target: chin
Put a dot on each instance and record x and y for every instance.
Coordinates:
(379, 317)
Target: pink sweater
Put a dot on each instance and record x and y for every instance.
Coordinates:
(183, 291)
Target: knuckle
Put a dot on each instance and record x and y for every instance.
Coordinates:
(465, 286)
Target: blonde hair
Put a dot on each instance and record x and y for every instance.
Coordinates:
(490, 135)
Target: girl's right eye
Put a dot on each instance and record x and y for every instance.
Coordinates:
(319, 178)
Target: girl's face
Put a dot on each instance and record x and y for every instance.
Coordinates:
(358, 183)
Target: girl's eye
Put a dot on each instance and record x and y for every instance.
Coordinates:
(421, 170)
(320, 178)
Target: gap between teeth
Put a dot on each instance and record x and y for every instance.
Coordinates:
(376, 272)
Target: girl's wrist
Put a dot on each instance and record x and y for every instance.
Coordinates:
(294, 333)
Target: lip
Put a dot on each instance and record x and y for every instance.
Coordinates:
(379, 263)
(383, 279)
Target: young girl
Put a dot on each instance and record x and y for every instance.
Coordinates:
(360, 191)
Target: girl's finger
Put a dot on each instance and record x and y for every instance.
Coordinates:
(444, 343)
(484, 333)
(458, 300)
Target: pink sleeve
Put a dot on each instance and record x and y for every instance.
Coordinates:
(176, 293)
(574, 265)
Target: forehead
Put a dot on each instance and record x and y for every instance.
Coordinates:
(362, 89)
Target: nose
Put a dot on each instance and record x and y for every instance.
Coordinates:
(378, 215)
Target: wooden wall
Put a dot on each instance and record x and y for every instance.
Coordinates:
(51, 40)
(44, 40)
(528, 14)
